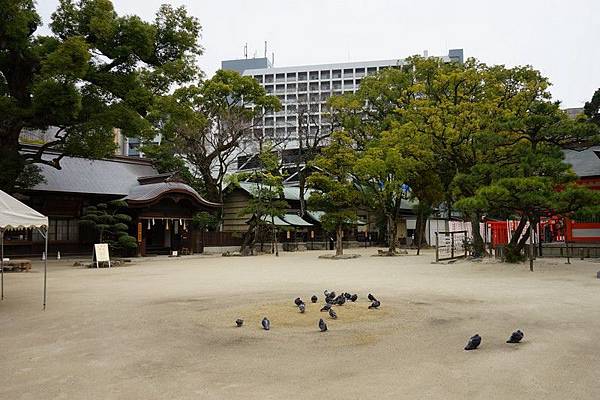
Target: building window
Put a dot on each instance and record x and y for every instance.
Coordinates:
(280, 89)
(268, 78)
(371, 70)
(360, 72)
(259, 78)
(301, 76)
(325, 86)
(291, 87)
(314, 75)
(336, 74)
(314, 86)
(325, 74)
(302, 87)
(291, 98)
(337, 85)
(280, 77)
(348, 73)
(269, 88)
(59, 229)
(348, 84)
(291, 76)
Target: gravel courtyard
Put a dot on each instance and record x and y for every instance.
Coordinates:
(164, 328)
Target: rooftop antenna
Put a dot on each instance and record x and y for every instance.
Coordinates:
(265, 49)
(273, 59)
(246, 50)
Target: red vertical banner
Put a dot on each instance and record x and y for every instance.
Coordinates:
(139, 232)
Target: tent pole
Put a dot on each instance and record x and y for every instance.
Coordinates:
(45, 265)
(2, 259)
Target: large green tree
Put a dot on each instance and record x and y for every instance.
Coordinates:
(335, 192)
(97, 71)
(208, 124)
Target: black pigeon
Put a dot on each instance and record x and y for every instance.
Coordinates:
(332, 314)
(302, 308)
(371, 297)
(330, 300)
(375, 304)
(314, 298)
(266, 324)
(341, 301)
(298, 301)
(326, 308)
(516, 337)
(325, 293)
(348, 296)
(354, 297)
(322, 325)
(331, 295)
(239, 322)
(473, 342)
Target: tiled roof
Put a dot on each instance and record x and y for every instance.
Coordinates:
(584, 163)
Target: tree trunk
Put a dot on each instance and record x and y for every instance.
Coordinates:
(11, 162)
(478, 244)
(339, 248)
(393, 234)
(212, 190)
(420, 228)
(515, 246)
(248, 240)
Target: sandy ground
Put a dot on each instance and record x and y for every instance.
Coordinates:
(164, 329)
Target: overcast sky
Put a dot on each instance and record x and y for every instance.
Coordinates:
(558, 37)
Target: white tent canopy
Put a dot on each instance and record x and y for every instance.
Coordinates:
(16, 215)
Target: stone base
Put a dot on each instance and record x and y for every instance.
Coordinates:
(342, 257)
(386, 253)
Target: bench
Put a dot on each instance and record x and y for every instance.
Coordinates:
(18, 264)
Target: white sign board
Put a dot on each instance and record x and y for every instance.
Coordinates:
(101, 253)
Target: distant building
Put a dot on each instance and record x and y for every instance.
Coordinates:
(304, 91)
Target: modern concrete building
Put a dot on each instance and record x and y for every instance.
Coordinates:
(304, 91)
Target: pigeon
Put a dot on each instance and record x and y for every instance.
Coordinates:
(354, 297)
(332, 314)
(314, 298)
(239, 322)
(325, 293)
(330, 300)
(473, 342)
(516, 337)
(348, 296)
(298, 301)
(322, 325)
(330, 295)
(302, 308)
(326, 308)
(266, 324)
(341, 301)
(371, 297)
(375, 304)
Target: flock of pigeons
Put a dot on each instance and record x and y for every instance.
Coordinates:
(332, 300)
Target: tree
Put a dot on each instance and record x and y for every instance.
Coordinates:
(110, 224)
(383, 171)
(592, 108)
(97, 72)
(266, 202)
(208, 124)
(335, 190)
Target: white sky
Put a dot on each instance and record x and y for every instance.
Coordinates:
(560, 38)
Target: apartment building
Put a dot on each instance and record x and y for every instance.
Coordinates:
(304, 91)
